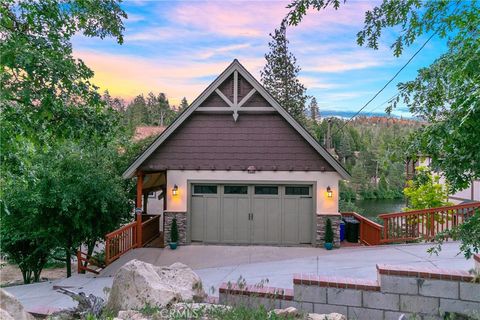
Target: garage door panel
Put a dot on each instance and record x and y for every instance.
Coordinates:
(258, 224)
(242, 226)
(229, 211)
(305, 219)
(197, 218)
(290, 221)
(273, 221)
(212, 214)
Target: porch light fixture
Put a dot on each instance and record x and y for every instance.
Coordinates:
(329, 192)
(175, 190)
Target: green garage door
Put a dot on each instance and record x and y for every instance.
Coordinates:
(251, 214)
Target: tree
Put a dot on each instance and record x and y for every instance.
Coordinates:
(425, 191)
(46, 102)
(446, 93)
(280, 75)
(183, 104)
(314, 111)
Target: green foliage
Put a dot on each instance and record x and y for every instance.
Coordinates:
(425, 191)
(174, 231)
(446, 93)
(59, 156)
(328, 231)
(373, 151)
(280, 75)
(468, 233)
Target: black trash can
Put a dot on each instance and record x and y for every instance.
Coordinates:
(352, 230)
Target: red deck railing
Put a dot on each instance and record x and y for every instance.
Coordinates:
(370, 232)
(424, 224)
(120, 241)
(84, 263)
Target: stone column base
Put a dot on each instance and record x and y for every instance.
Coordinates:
(321, 222)
(181, 223)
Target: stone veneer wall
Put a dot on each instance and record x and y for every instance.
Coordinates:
(321, 221)
(426, 293)
(181, 223)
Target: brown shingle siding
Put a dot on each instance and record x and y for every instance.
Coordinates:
(206, 141)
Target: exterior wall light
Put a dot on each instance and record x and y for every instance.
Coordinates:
(329, 192)
(175, 190)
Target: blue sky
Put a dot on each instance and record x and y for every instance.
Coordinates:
(179, 47)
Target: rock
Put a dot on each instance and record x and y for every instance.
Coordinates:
(138, 284)
(4, 315)
(330, 316)
(287, 312)
(10, 305)
(130, 315)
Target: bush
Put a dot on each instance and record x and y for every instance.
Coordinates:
(174, 231)
(328, 231)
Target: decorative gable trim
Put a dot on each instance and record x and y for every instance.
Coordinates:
(235, 67)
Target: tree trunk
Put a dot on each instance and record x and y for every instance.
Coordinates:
(68, 261)
(90, 248)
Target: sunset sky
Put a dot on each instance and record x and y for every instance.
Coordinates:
(179, 47)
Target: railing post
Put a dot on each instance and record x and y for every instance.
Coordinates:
(432, 225)
(385, 228)
(107, 251)
(79, 262)
(139, 229)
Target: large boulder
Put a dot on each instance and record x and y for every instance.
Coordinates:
(12, 307)
(138, 284)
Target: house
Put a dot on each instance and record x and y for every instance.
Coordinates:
(236, 168)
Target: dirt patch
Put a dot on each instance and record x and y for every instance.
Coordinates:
(11, 275)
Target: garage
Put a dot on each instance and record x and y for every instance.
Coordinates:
(251, 214)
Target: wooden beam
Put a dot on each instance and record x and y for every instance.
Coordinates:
(139, 205)
(224, 98)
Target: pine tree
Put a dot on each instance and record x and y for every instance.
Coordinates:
(314, 111)
(183, 104)
(279, 75)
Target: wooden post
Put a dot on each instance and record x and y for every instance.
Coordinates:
(139, 205)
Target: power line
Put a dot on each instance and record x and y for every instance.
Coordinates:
(388, 82)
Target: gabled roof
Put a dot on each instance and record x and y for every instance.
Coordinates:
(235, 66)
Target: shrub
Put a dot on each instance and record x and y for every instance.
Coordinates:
(174, 231)
(328, 231)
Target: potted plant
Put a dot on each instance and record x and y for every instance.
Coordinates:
(328, 235)
(174, 235)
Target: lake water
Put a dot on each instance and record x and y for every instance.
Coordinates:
(374, 207)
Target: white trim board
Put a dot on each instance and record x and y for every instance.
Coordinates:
(235, 67)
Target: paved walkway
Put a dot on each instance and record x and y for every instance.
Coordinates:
(217, 264)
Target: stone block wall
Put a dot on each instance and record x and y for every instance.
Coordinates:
(181, 223)
(321, 221)
(426, 293)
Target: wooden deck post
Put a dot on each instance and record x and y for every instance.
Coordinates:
(139, 206)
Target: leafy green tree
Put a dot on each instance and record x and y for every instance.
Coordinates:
(280, 75)
(425, 191)
(47, 102)
(446, 93)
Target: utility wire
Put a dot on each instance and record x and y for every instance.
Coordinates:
(389, 81)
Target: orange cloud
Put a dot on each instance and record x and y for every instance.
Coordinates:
(127, 76)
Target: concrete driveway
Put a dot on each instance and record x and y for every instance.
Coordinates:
(217, 264)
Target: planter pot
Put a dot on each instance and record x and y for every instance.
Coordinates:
(173, 245)
(328, 245)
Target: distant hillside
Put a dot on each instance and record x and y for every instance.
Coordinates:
(349, 114)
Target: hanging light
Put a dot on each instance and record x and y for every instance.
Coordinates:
(175, 190)
(329, 192)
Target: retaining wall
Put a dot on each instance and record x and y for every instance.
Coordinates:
(427, 292)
